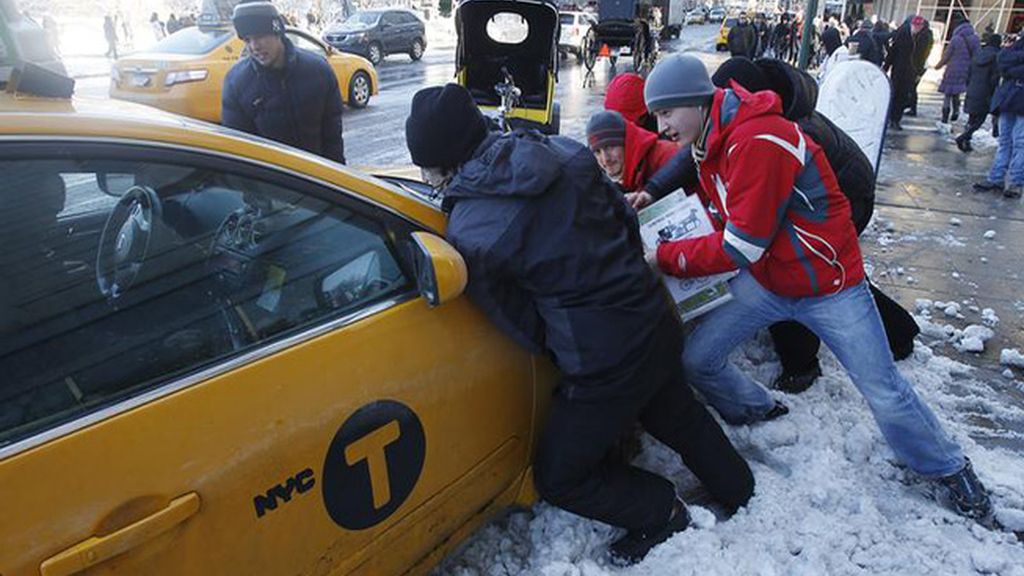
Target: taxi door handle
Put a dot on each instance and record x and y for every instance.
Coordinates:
(96, 549)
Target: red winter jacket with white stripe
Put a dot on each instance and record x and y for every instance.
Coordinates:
(779, 208)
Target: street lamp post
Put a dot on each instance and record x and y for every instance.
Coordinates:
(805, 41)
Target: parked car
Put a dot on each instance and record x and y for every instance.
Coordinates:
(374, 34)
(695, 16)
(574, 27)
(223, 355)
(184, 72)
(716, 15)
(722, 42)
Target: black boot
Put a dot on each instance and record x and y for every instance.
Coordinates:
(945, 115)
(797, 382)
(635, 545)
(987, 186)
(966, 494)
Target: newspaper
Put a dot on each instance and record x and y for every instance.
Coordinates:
(675, 217)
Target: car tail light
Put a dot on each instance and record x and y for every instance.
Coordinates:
(183, 76)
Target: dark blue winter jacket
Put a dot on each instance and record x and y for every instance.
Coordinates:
(555, 258)
(299, 105)
(1009, 96)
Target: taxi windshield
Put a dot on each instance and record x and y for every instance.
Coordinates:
(192, 40)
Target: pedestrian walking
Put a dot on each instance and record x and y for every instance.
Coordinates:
(279, 91)
(159, 31)
(742, 38)
(1008, 102)
(981, 85)
(956, 58)
(906, 61)
(110, 32)
(555, 260)
(173, 24)
(786, 227)
(882, 35)
(862, 43)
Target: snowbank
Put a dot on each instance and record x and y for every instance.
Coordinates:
(830, 498)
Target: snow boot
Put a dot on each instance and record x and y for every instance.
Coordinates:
(966, 494)
(797, 382)
(635, 545)
(1012, 192)
(987, 186)
(777, 411)
(964, 144)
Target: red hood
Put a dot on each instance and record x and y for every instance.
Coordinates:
(737, 106)
(635, 162)
(625, 95)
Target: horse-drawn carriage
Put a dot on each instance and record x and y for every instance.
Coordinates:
(623, 26)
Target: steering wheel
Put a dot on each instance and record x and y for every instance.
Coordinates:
(126, 240)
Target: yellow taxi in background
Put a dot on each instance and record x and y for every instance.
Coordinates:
(222, 355)
(184, 72)
(722, 42)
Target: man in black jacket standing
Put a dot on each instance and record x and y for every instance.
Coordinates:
(742, 39)
(556, 262)
(279, 91)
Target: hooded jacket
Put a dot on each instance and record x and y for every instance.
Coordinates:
(625, 95)
(645, 154)
(555, 258)
(957, 59)
(779, 207)
(983, 81)
(299, 105)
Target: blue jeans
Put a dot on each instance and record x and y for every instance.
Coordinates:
(849, 324)
(1010, 154)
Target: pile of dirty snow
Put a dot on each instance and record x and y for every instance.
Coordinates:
(830, 498)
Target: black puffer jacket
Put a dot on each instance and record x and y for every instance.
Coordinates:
(799, 94)
(983, 81)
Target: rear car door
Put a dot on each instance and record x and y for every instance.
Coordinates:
(244, 381)
(392, 34)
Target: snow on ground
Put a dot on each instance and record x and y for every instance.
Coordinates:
(830, 498)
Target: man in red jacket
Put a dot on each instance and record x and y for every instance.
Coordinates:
(628, 154)
(784, 223)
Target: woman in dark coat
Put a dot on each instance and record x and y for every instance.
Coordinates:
(957, 60)
(984, 79)
(900, 61)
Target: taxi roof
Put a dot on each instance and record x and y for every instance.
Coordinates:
(35, 117)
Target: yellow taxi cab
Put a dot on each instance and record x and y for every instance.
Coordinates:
(184, 72)
(722, 42)
(222, 355)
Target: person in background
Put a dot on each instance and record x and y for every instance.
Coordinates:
(786, 227)
(628, 154)
(1008, 102)
(742, 39)
(110, 33)
(906, 61)
(957, 60)
(279, 91)
(981, 85)
(556, 262)
(625, 95)
(862, 43)
(173, 25)
(881, 34)
(159, 31)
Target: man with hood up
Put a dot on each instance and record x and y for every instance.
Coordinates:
(628, 154)
(281, 92)
(625, 95)
(556, 262)
(785, 225)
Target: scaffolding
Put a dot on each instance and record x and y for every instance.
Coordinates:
(1001, 13)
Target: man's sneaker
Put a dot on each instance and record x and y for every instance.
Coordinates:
(635, 545)
(1012, 192)
(777, 411)
(966, 493)
(987, 186)
(797, 382)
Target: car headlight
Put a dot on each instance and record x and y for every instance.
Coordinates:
(182, 76)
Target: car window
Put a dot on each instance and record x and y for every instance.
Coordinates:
(192, 40)
(304, 43)
(390, 18)
(566, 19)
(118, 276)
(729, 23)
(407, 18)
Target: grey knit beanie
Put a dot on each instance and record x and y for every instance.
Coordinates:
(606, 128)
(256, 17)
(679, 81)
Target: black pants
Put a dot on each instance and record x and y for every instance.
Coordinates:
(573, 471)
(797, 347)
(974, 122)
(950, 103)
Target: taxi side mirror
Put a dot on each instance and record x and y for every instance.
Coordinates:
(441, 273)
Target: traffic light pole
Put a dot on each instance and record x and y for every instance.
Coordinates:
(808, 33)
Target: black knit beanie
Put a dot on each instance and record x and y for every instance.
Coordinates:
(444, 127)
(743, 71)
